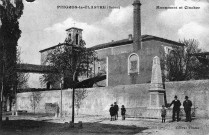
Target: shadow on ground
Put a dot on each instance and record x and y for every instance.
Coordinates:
(42, 127)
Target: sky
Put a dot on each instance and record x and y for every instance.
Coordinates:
(43, 25)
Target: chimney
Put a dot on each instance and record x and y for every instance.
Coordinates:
(137, 25)
(130, 37)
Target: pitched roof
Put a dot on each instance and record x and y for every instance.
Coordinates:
(128, 41)
(112, 44)
(150, 37)
(53, 47)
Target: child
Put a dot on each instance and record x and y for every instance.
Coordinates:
(116, 108)
(123, 112)
(112, 112)
(163, 113)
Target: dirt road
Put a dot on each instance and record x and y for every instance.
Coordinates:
(49, 125)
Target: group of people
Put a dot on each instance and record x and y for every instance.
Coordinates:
(187, 104)
(114, 112)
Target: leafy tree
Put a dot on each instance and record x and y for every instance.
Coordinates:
(179, 64)
(10, 12)
(202, 70)
(70, 62)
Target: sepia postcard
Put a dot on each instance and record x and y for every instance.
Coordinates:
(142, 67)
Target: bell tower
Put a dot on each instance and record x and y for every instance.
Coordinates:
(74, 36)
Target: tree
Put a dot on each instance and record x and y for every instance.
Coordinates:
(70, 61)
(202, 70)
(35, 99)
(179, 64)
(10, 12)
(80, 95)
(22, 79)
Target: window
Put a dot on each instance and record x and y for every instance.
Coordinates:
(167, 49)
(48, 85)
(99, 67)
(69, 37)
(76, 39)
(133, 63)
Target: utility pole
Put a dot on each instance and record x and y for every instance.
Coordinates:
(61, 96)
(2, 79)
(73, 98)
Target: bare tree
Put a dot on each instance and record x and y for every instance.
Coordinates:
(80, 95)
(22, 78)
(35, 99)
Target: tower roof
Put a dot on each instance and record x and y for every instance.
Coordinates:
(74, 28)
(137, 2)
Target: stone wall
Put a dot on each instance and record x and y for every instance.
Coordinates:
(134, 97)
(97, 102)
(25, 103)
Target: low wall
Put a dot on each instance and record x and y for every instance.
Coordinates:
(134, 97)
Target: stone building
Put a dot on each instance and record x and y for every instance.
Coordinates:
(127, 61)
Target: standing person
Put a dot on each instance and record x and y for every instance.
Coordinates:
(123, 112)
(163, 113)
(176, 108)
(187, 108)
(112, 112)
(116, 110)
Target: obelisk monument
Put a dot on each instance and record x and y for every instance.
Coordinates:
(156, 91)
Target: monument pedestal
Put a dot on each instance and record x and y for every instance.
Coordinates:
(155, 104)
(156, 99)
